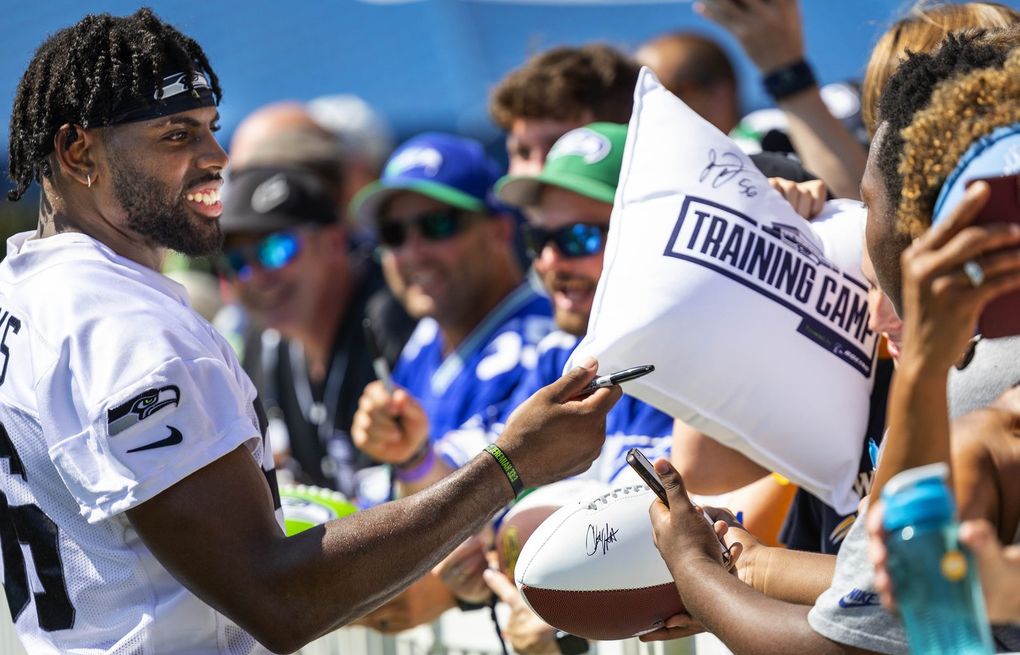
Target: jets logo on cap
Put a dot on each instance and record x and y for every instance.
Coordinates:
(270, 194)
(141, 407)
(176, 84)
(429, 159)
(585, 143)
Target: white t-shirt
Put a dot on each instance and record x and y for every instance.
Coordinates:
(111, 390)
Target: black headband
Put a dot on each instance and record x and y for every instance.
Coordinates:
(173, 97)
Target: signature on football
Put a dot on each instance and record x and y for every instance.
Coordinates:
(599, 539)
(724, 168)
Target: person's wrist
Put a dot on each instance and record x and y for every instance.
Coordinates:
(418, 465)
(770, 59)
(919, 364)
(749, 564)
(761, 570)
(789, 79)
(687, 559)
(498, 476)
(692, 564)
(508, 468)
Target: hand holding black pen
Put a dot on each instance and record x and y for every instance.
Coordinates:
(390, 425)
(619, 377)
(379, 363)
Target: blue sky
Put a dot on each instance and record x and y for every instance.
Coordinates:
(426, 64)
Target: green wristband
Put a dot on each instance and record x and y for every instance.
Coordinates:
(508, 468)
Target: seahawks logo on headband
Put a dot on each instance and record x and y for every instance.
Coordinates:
(176, 84)
(172, 97)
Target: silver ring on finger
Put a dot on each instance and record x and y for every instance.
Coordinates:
(974, 273)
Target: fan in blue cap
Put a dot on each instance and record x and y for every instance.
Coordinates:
(451, 169)
(447, 245)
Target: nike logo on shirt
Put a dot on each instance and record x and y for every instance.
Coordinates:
(858, 598)
(175, 438)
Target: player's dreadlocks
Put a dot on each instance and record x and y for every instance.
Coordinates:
(910, 90)
(81, 76)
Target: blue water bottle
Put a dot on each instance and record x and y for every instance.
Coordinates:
(935, 580)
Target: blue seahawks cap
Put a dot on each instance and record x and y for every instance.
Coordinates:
(448, 168)
(993, 155)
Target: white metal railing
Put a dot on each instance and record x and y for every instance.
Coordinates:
(455, 633)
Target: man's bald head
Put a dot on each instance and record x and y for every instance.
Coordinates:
(697, 70)
(284, 134)
(266, 124)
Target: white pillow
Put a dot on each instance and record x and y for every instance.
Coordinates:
(755, 319)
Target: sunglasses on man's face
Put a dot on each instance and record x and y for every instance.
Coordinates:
(271, 253)
(577, 240)
(434, 226)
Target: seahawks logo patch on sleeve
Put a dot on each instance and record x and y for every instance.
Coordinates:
(141, 407)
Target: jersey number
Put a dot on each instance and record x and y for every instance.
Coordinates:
(26, 524)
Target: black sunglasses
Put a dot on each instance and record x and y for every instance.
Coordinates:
(577, 240)
(434, 226)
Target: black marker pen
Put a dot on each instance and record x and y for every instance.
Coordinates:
(379, 365)
(626, 375)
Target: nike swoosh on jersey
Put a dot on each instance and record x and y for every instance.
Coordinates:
(175, 438)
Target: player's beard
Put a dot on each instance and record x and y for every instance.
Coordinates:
(161, 215)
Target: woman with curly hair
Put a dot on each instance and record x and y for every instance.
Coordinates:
(778, 610)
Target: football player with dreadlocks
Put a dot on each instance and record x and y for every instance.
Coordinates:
(133, 464)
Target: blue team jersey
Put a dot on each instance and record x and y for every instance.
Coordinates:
(480, 376)
(630, 424)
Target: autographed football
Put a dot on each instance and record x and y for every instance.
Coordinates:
(306, 506)
(532, 510)
(592, 569)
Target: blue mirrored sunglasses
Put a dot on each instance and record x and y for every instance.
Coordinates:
(577, 240)
(271, 253)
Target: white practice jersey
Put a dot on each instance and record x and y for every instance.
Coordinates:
(111, 390)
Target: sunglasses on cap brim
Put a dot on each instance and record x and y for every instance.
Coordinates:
(433, 226)
(576, 240)
(271, 253)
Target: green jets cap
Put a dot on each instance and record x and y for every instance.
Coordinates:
(586, 160)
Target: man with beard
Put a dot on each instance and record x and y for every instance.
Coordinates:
(450, 244)
(568, 206)
(135, 469)
(292, 264)
(306, 279)
(568, 87)
(480, 319)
